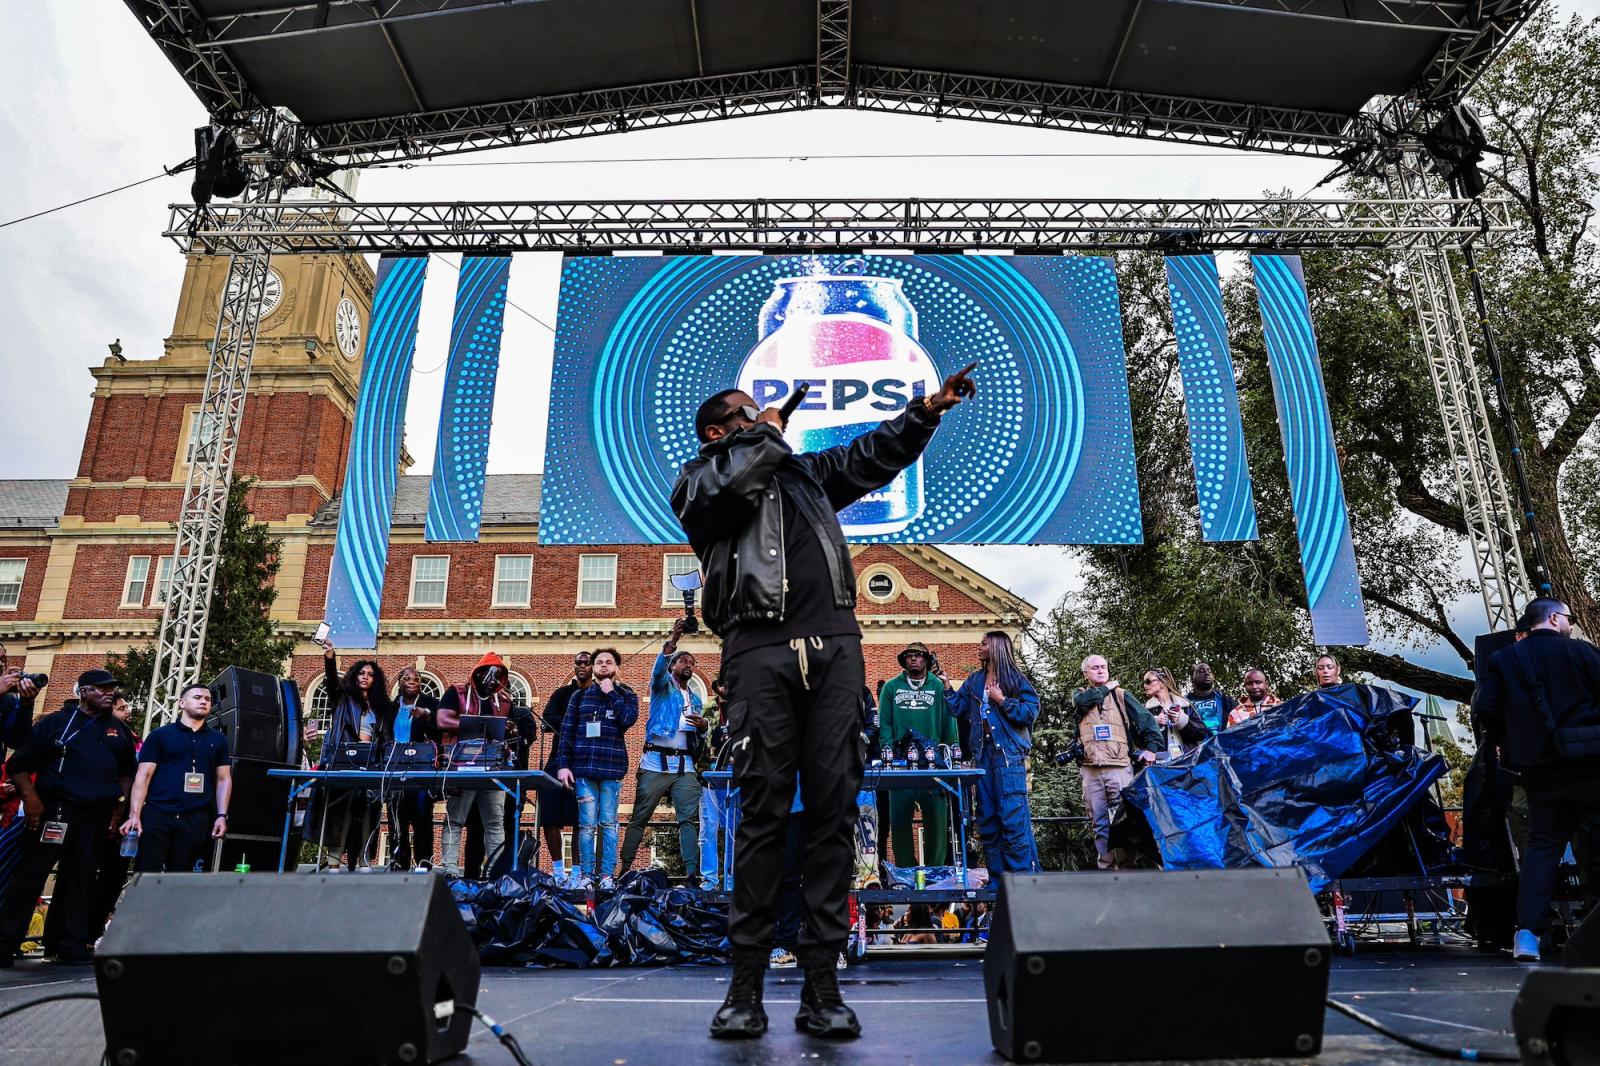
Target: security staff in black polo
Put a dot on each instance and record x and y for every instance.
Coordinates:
(74, 774)
(181, 792)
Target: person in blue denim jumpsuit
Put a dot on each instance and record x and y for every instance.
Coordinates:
(997, 707)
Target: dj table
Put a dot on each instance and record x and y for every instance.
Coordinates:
(511, 782)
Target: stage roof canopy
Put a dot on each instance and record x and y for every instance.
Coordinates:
(383, 79)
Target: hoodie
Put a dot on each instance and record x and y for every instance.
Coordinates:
(463, 699)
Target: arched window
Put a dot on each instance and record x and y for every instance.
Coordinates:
(431, 686)
(521, 691)
(319, 704)
(698, 687)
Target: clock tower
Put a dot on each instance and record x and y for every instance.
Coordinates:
(304, 377)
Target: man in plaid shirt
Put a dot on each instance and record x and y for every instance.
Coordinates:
(592, 758)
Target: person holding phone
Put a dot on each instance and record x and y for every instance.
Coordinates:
(780, 591)
(1182, 728)
(361, 711)
(484, 693)
(592, 759)
(672, 737)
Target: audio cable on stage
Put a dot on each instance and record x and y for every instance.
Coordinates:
(1461, 1054)
(500, 1033)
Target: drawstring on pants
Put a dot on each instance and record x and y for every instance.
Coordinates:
(798, 645)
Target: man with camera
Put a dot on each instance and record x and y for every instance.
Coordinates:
(672, 737)
(780, 592)
(17, 693)
(1113, 735)
(74, 774)
(1538, 701)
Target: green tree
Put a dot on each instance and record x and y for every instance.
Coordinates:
(238, 631)
(1175, 599)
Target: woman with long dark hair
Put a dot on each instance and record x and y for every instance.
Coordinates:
(997, 707)
(361, 711)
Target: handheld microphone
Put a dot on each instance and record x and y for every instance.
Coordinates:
(793, 402)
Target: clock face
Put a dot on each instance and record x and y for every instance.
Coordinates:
(347, 328)
(273, 297)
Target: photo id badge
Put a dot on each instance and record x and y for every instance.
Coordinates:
(194, 783)
(1102, 732)
(54, 833)
(591, 729)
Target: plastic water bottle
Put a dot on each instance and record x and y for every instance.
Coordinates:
(244, 865)
(853, 336)
(130, 845)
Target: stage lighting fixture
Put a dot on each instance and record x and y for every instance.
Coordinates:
(219, 169)
(1457, 143)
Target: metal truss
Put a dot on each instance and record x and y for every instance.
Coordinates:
(827, 225)
(181, 32)
(1434, 16)
(563, 117)
(1474, 459)
(1462, 59)
(833, 48)
(181, 637)
(1117, 112)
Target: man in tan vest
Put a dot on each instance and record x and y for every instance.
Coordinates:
(1117, 734)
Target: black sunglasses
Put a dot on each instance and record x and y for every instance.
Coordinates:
(748, 410)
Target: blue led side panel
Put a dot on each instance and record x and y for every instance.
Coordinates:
(355, 583)
(1333, 588)
(1216, 435)
(455, 495)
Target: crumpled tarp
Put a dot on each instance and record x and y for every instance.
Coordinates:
(933, 877)
(523, 919)
(1315, 782)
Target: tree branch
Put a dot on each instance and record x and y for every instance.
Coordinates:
(1404, 672)
(1436, 625)
(1577, 423)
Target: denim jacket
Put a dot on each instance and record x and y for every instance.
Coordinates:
(1010, 724)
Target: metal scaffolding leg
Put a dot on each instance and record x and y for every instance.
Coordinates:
(1474, 460)
(833, 48)
(181, 638)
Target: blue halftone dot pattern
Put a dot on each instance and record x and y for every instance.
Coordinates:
(1333, 587)
(1044, 454)
(1211, 399)
(361, 548)
(455, 494)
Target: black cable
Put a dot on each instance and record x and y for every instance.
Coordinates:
(1462, 1054)
(500, 1033)
(58, 997)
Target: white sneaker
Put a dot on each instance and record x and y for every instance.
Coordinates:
(781, 960)
(708, 885)
(843, 963)
(582, 883)
(607, 885)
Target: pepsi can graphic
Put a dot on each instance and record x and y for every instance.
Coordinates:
(853, 337)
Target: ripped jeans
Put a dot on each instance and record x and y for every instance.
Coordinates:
(597, 816)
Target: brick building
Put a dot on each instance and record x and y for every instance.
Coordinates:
(83, 563)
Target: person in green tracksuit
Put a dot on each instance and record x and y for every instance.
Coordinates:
(916, 700)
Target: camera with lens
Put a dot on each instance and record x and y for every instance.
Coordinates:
(1072, 753)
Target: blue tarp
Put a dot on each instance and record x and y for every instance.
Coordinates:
(1315, 782)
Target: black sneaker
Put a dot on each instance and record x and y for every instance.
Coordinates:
(741, 1016)
(823, 1012)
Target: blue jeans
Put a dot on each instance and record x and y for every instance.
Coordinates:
(597, 815)
(1005, 823)
(719, 821)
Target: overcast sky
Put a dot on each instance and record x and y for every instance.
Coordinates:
(92, 104)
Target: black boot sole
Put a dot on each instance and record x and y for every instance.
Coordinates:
(729, 1032)
(808, 1023)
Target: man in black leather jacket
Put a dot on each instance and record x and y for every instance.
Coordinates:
(780, 592)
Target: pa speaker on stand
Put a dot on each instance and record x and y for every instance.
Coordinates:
(260, 716)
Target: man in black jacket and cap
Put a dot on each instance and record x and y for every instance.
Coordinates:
(780, 592)
(1539, 703)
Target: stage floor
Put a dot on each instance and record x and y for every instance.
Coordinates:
(928, 1012)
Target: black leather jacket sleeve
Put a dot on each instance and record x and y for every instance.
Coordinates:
(850, 471)
(719, 493)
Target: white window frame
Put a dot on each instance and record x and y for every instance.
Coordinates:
(22, 574)
(612, 602)
(431, 686)
(162, 583)
(192, 439)
(520, 689)
(444, 594)
(671, 597)
(495, 600)
(128, 600)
